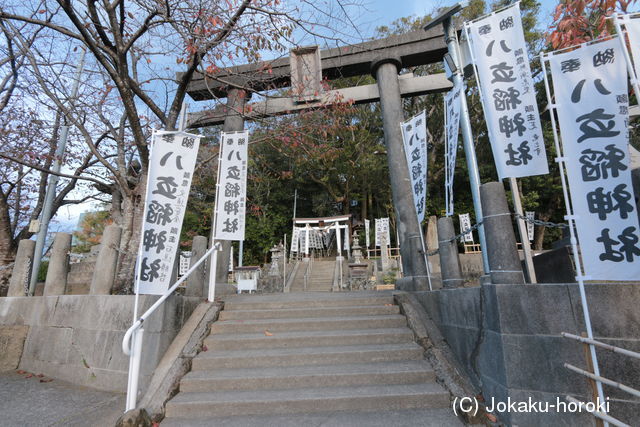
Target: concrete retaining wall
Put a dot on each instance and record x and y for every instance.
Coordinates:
(507, 337)
(78, 338)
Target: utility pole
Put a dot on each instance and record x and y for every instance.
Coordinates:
(50, 195)
(465, 124)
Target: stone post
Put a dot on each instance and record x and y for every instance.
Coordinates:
(448, 251)
(105, 270)
(56, 282)
(420, 282)
(196, 281)
(431, 240)
(385, 71)
(19, 283)
(175, 271)
(504, 261)
(384, 254)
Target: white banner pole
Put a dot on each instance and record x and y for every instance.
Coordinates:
(214, 255)
(570, 218)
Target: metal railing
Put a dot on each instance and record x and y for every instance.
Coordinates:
(594, 377)
(132, 341)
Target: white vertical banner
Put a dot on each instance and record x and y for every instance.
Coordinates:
(465, 224)
(414, 136)
(531, 215)
(295, 238)
(184, 262)
(382, 229)
(590, 86)
(171, 165)
(231, 191)
(451, 129)
(347, 240)
(367, 226)
(632, 26)
(508, 97)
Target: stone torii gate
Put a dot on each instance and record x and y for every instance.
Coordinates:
(303, 71)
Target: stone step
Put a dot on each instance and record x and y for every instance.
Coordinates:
(274, 357)
(403, 372)
(366, 310)
(299, 339)
(230, 403)
(300, 300)
(405, 418)
(308, 324)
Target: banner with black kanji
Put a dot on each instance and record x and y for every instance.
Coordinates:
(414, 135)
(508, 97)
(231, 191)
(171, 165)
(382, 232)
(592, 103)
(452, 104)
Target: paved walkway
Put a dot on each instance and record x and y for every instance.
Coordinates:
(29, 402)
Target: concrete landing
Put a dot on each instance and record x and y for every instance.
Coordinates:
(28, 402)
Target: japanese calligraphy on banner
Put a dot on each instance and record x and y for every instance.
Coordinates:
(508, 97)
(304, 248)
(530, 227)
(232, 186)
(366, 232)
(465, 224)
(451, 127)
(382, 229)
(173, 158)
(590, 85)
(295, 238)
(414, 135)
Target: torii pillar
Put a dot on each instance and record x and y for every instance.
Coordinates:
(385, 70)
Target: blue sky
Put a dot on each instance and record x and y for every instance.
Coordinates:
(383, 12)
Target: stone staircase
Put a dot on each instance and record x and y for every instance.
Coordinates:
(302, 359)
(321, 279)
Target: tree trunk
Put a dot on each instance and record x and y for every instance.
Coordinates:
(7, 246)
(129, 218)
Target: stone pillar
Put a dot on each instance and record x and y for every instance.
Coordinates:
(196, 281)
(233, 121)
(19, 283)
(448, 251)
(431, 240)
(56, 282)
(420, 282)
(504, 260)
(385, 71)
(384, 254)
(105, 269)
(175, 270)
